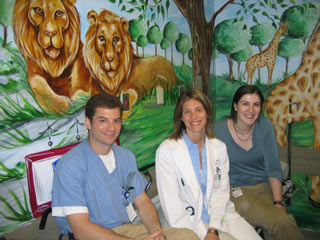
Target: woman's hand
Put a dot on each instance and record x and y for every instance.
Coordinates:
(211, 236)
(283, 208)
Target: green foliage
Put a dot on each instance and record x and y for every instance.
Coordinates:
(289, 47)
(18, 172)
(140, 7)
(306, 215)
(164, 44)
(230, 36)
(142, 41)
(137, 28)
(6, 12)
(12, 214)
(190, 54)
(243, 54)
(302, 20)
(171, 31)
(154, 35)
(183, 43)
(261, 34)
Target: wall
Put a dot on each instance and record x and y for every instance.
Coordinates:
(49, 67)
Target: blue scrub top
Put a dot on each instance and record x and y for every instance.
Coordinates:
(81, 179)
(202, 180)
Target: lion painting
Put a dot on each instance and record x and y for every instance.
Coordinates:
(48, 35)
(108, 54)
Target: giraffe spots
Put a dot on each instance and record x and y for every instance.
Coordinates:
(314, 78)
(270, 110)
(302, 83)
(315, 95)
(318, 107)
(306, 70)
(283, 92)
(277, 102)
(309, 53)
(292, 87)
(316, 64)
(284, 121)
(285, 109)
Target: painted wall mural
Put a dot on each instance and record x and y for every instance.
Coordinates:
(54, 55)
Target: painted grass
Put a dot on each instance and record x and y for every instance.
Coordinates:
(19, 214)
(12, 173)
(306, 215)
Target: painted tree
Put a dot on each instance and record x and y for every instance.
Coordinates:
(190, 54)
(302, 19)
(242, 56)
(261, 34)
(171, 33)
(6, 11)
(155, 36)
(231, 37)
(137, 28)
(183, 44)
(289, 48)
(165, 44)
(214, 55)
(142, 42)
(201, 29)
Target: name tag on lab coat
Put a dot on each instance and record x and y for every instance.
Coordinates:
(217, 180)
(236, 192)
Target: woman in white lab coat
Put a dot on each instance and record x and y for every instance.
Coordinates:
(192, 175)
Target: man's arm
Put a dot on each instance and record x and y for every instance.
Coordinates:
(147, 212)
(83, 228)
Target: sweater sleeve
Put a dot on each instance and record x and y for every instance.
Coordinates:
(270, 150)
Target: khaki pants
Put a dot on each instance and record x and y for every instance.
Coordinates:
(139, 231)
(256, 206)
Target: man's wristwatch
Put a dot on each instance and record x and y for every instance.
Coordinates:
(278, 203)
(214, 231)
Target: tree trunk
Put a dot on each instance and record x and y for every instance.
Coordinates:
(171, 43)
(239, 77)
(287, 66)
(230, 67)
(201, 35)
(5, 35)
(137, 48)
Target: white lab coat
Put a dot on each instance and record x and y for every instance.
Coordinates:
(178, 188)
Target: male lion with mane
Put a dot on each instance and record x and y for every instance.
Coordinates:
(108, 54)
(48, 35)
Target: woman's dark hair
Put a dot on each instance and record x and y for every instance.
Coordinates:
(179, 125)
(103, 100)
(246, 89)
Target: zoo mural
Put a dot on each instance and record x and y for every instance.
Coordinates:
(54, 55)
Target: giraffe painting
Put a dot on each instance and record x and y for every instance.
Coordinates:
(303, 89)
(267, 57)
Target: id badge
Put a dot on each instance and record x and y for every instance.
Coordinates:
(236, 192)
(217, 180)
(131, 212)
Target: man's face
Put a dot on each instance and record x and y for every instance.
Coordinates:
(104, 128)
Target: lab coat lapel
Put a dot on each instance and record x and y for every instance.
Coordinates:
(186, 168)
(211, 161)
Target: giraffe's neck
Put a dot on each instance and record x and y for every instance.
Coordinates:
(275, 41)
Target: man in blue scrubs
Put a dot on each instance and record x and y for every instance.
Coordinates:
(97, 182)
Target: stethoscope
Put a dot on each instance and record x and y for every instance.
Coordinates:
(189, 209)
